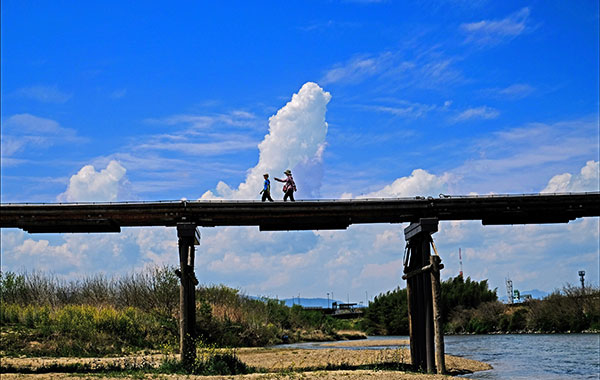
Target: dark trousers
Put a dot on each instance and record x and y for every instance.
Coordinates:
(289, 194)
(267, 195)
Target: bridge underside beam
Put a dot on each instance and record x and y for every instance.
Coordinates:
(84, 226)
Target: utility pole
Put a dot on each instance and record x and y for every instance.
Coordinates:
(460, 263)
(581, 277)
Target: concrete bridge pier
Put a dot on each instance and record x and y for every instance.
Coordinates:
(423, 291)
(188, 237)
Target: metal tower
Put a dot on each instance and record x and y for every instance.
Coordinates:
(509, 290)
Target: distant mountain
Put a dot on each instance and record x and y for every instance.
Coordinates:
(309, 302)
(535, 293)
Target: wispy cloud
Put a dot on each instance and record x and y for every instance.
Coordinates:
(483, 112)
(529, 155)
(203, 135)
(414, 110)
(45, 94)
(328, 25)
(410, 67)
(512, 92)
(159, 161)
(407, 109)
(195, 122)
(358, 68)
(231, 144)
(25, 131)
(492, 32)
(519, 90)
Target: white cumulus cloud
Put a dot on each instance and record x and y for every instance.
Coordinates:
(419, 182)
(296, 141)
(586, 180)
(88, 185)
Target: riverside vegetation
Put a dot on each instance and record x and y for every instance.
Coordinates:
(129, 325)
(469, 307)
(42, 315)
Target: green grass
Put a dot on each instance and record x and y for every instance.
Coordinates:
(82, 330)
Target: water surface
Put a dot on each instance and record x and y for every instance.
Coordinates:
(531, 356)
(517, 356)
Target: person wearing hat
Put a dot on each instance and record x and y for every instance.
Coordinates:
(266, 191)
(289, 186)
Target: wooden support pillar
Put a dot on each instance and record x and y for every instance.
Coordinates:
(436, 293)
(411, 327)
(428, 305)
(419, 289)
(188, 237)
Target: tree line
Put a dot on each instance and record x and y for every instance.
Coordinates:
(470, 307)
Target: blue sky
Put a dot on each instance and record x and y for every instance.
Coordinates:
(111, 101)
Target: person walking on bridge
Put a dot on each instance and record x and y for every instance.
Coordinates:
(266, 191)
(289, 186)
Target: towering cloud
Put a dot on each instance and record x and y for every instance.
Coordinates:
(296, 141)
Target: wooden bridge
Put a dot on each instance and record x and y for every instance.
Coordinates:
(420, 267)
(301, 215)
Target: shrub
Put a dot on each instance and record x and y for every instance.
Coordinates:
(517, 321)
(572, 310)
(387, 314)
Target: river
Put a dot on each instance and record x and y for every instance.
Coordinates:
(531, 356)
(522, 356)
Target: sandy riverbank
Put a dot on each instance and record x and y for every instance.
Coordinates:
(314, 375)
(278, 363)
(274, 359)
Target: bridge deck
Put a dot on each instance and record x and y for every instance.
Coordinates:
(300, 215)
